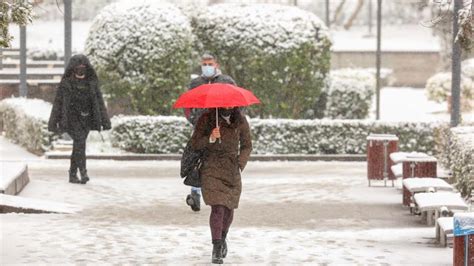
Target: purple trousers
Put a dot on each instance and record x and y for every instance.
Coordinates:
(220, 220)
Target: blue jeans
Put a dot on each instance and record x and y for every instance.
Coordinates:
(196, 189)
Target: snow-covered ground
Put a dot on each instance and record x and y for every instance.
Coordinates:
(412, 104)
(394, 38)
(49, 35)
(290, 213)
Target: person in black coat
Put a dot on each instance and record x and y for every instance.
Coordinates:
(78, 108)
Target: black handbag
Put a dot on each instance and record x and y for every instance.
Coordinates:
(191, 162)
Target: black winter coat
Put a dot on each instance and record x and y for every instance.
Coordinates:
(59, 118)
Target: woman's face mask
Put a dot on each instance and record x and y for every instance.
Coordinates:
(80, 71)
(225, 112)
(208, 71)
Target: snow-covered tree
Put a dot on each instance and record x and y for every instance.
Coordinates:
(13, 11)
(281, 53)
(142, 51)
(441, 21)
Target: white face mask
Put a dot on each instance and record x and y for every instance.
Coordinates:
(208, 71)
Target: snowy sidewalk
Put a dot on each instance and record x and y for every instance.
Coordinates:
(290, 213)
(13, 152)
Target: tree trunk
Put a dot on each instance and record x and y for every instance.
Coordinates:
(354, 15)
(338, 12)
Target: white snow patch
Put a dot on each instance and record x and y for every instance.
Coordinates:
(9, 171)
(36, 204)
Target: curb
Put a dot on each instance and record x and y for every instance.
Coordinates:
(177, 157)
(17, 183)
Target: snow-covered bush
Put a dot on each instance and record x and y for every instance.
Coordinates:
(467, 67)
(281, 53)
(141, 51)
(349, 93)
(25, 121)
(438, 88)
(150, 134)
(274, 136)
(44, 54)
(461, 158)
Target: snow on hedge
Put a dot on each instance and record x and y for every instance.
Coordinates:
(349, 93)
(146, 134)
(281, 53)
(461, 158)
(150, 134)
(142, 50)
(268, 28)
(467, 67)
(438, 87)
(25, 121)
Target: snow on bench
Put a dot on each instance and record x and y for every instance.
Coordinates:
(422, 184)
(13, 177)
(444, 227)
(399, 157)
(434, 201)
(430, 203)
(9, 203)
(397, 170)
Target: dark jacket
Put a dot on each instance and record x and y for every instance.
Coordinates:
(193, 114)
(59, 120)
(220, 173)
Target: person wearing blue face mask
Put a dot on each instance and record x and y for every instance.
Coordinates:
(210, 73)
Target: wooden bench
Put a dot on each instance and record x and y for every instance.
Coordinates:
(444, 229)
(429, 204)
(424, 184)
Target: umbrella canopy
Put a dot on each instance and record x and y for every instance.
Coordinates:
(216, 95)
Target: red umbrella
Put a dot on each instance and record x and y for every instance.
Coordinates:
(216, 95)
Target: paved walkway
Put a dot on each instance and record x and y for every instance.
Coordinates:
(290, 213)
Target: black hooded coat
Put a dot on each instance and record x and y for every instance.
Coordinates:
(59, 120)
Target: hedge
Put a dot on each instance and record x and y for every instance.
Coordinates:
(461, 159)
(25, 122)
(160, 134)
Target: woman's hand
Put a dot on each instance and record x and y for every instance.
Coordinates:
(216, 134)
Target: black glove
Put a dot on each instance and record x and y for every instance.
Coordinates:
(106, 126)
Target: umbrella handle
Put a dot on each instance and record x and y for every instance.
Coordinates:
(217, 121)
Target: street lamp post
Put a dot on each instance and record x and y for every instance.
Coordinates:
(23, 85)
(327, 13)
(378, 56)
(456, 69)
(67, 30)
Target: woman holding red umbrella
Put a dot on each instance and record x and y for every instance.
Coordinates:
(226, 158)
(220, 173)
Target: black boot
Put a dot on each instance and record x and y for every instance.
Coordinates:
(224, 245)
(217, 252)
(84, 176)
(194, 201)
(73, 177)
